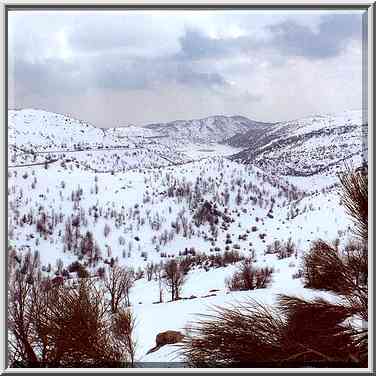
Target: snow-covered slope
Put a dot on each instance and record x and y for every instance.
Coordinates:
(150, 217)
(130, 131)
(305, 147)
(212, 129)
(31, 127)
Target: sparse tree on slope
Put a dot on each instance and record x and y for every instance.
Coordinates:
(174, 278)
(118, 283)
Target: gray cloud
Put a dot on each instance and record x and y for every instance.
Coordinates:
(139, 78)
(46, 77)
(334, 31)
(289, 37)
(196, 45)
(116, 71)
(141, 73)
(187, 76)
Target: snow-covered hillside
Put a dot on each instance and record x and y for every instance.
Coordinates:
(48, 130)
(305, 147)
(170, 192)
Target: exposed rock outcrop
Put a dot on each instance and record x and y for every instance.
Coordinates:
(166, 338)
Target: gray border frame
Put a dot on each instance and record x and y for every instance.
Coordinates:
(367, 96)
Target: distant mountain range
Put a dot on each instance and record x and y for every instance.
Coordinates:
(300, 147)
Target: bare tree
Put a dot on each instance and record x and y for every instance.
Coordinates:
(149, 270)
(118, 283)
(20, 310)
(174, 278)
(106, 230)
(159, 274)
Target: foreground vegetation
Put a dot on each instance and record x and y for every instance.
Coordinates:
(298, 332)
(87, 321)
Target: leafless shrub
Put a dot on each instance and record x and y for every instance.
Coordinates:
(123, 325)
(281, 249)
(249, 278)
(59, 326)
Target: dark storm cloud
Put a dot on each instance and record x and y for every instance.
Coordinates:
(334, 31)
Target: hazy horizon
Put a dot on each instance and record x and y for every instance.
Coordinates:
(125, 125)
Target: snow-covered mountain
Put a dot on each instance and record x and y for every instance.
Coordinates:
(212, 129)
(36, 135)
(307, 146)
(303, 147)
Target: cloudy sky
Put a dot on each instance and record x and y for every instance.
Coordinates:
(116, 68)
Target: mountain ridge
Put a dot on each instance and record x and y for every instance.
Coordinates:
(298, 147)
